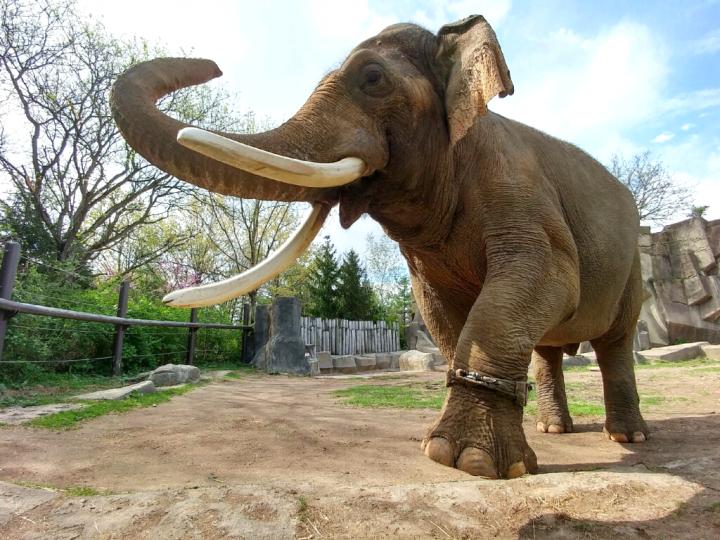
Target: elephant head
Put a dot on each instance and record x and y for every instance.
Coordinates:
(377, 135)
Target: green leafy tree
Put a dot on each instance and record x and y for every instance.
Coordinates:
(323, 283)
(355, 295)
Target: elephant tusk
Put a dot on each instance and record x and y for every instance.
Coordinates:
(269, 165)
(251, 279)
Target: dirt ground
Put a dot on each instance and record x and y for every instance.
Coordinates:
(281, 457)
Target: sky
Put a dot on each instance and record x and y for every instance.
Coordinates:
(613, 77)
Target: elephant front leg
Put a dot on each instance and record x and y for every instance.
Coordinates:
(479, 429)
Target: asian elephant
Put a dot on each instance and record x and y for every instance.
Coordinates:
(518, 244)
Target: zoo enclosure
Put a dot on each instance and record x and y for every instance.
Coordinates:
(10, 308)
(339, 336)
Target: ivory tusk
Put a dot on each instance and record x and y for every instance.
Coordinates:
(269, 165)
(251, 279)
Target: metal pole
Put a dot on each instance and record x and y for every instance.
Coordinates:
(190, 353)
(245, 351)
(7, 282)
(120, 329)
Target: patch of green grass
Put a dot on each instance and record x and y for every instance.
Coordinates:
(714, 507)
(70, 491)
(401, 396)
(581, 408)
(709, 369)
(234, 375)
(652, 400)
(232, 366)
(69, 419)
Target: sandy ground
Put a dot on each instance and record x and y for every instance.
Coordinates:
(280, 457)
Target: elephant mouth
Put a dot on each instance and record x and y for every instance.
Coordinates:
(344, 172)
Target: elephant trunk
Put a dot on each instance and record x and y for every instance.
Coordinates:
(154, 135)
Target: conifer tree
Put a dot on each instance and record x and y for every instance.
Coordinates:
(323, 283)
(356, 298)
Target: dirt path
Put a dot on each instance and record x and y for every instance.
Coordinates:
(280, 457)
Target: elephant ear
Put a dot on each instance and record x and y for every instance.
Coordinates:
(474, 69)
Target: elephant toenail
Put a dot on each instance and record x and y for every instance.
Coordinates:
(541, 427)
(638, 436)
(554, 428)
(516, 470)
(440, 450)
(477, 462)
(618, 437)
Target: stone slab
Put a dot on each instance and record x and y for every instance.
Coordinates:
(712, 352)
(344, 364)
(577, 360)
(395, 359)
(383, 360)
(145, 387)
(314, 368)
(19, 415)
(325, 360)
(365, 363)
(674, 353)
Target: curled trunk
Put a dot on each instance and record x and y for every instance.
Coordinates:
(153, 134)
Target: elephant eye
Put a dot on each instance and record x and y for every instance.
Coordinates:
(373, 80)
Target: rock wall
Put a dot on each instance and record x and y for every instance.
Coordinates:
(681, 282)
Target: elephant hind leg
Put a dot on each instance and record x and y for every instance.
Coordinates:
(553, 415)
(623, 421)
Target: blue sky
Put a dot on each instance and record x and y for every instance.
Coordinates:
(611, 77)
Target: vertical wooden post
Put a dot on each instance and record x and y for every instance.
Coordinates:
(7, 283)
(192, 334)
(245, 350)
(120, 329)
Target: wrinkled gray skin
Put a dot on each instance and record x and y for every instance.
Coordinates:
(518, 244)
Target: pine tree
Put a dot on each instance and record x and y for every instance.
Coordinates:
(355, 294)
(323, 283)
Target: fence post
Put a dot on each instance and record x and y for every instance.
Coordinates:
(7, 282)
(245, 351)
(120, 329)
(192, 331)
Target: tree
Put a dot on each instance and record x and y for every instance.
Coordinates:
(657, 196)
(323, 283)
(355, 296)
(698, 211)
(77, 189)
(385, 265)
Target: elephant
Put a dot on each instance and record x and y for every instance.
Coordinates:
(519, 245)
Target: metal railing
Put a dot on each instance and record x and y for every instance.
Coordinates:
(10, 308)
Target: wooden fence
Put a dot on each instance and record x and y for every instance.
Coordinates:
(350, 337)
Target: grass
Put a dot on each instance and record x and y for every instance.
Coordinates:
(70, 491)
(695, 362)
(54, 388)
(432, 396)
(70, 419)
(401, 396)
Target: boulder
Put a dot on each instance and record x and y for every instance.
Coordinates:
(578, 360)
(395, 359)
(145, 387)
(172, 374)
(416, 361)
(285, 350)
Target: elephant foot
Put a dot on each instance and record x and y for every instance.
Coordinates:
(554, 423)
(626, 431)
(480, 432)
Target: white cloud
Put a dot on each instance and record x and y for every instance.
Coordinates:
(663, 137)
(708, 44)
(687, 126)
(439, 12)
(591, 92)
